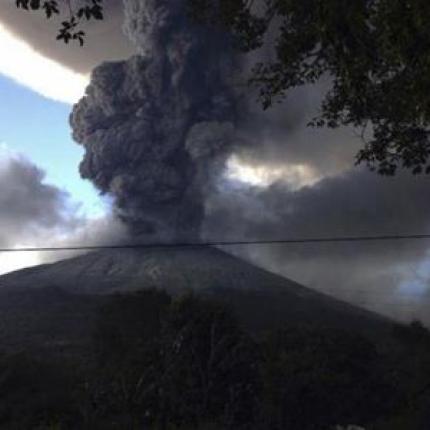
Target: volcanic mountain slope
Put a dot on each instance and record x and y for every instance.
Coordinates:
(123, 270)
(70, 290)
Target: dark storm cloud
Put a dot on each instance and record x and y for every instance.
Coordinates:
(105, 39)
(352, 204)
(36, 214)
(281, 134)
(29, 207)
(357, 201)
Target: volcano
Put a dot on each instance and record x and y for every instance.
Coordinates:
(53, 305)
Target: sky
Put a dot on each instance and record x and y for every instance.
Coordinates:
(37, 127)
(290, 181)
(34, 120)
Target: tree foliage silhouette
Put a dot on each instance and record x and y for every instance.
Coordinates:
(91, 9)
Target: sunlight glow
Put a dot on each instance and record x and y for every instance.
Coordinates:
(12, 261)
(23, 64)
(295, 175)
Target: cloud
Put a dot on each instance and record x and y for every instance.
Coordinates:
(31, 212)
(379, 275)
(263, 174)
(28, 206)
(36, 214)
(281, 135)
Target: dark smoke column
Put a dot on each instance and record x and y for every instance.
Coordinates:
(157, 127)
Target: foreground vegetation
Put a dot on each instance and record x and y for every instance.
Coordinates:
(186, 363)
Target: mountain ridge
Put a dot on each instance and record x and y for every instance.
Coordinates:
(209, 271)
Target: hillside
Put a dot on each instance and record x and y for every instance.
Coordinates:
(53, 304)
(116, 270)
(67, 320)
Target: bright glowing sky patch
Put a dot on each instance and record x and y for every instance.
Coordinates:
(26, 66)
(17, 260)
(295, 175)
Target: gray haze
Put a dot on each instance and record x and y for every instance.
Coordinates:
(383, 276)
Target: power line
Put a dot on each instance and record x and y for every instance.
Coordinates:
(176, 245)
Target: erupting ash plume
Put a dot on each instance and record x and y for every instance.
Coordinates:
(157, 127)
(162, 129)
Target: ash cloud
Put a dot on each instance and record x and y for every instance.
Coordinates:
(157, 127)
(281, 134)
(378, 275)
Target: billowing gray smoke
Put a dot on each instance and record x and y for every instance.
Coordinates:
(158, 126)
(158, 129)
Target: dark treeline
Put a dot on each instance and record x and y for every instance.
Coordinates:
(186, 363)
